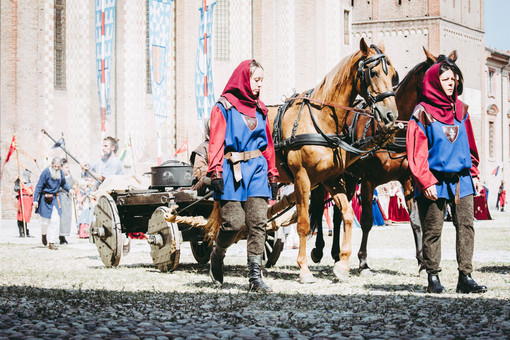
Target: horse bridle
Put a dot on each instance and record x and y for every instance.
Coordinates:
(364, 74)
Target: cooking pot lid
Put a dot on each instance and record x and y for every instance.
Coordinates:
(173, 162)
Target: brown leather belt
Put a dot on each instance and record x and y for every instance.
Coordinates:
(237, 157)
(450, 177)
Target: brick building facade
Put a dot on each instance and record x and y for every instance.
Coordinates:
(496, 103)
(49, 74)
(297, 42)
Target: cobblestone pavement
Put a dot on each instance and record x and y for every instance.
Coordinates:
(68, 293)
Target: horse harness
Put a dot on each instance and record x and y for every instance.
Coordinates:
(346, 140)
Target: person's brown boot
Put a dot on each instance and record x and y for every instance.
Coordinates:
(44, 240)
(216, 265)
(467, 285)
(52, 246)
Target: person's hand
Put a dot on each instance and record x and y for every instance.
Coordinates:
(36, 205)
(431, 192)
(217, 186)
(274, 191)
(85, 166)
(273, 184)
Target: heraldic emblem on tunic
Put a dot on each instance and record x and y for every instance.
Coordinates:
(451, 132)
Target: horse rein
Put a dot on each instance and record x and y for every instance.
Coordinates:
(322, 103)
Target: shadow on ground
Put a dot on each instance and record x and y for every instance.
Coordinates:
(503, 269)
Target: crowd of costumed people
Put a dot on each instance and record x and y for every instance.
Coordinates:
(389, 206)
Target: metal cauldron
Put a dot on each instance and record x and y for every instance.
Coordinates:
(171, 173)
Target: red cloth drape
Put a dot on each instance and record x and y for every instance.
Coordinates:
(481, 208)
(397, 212)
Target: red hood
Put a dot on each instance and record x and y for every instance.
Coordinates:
(436, 102)
(238, 91)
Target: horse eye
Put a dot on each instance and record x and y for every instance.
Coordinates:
(374, 73)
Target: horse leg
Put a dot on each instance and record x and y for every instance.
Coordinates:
(414, 218)
(341, 267)
(335, 246)
(302, 188)
(367, 220)
(316, 212)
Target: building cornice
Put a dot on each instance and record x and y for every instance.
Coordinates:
(371, 22)
(497, 58)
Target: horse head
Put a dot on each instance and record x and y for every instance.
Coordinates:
(375, 79)
(408, 91)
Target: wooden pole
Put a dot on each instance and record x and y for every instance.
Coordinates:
(21, 195)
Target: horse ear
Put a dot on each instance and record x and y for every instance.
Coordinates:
(453, 56)
(380, 46)
(363, 46)
(429, 55)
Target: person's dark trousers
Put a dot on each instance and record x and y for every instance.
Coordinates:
(256, 219)
(431, 217)
(235, 214)
(463, 220)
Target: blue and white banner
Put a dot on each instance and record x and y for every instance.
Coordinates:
(204, 91)
(105, 28)
(159, 36)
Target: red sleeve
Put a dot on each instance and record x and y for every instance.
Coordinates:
(417, 156)
(268, 153)
(475, 159)
(217, 130)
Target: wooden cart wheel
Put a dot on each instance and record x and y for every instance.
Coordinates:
(165, 240)
(106, 231)
(272, 248)
(201, 251)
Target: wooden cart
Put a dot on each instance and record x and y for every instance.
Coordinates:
(147, 211)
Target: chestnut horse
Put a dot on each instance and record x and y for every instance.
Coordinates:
(308, 141)
(386, 165)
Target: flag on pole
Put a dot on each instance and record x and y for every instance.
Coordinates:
(60, 142)
(183, 148)
(105, 28)
(12, 148)
(204, 92)
(495, 171)
(124, 152)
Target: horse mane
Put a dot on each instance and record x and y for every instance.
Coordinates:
(421, 67)
(328, 89)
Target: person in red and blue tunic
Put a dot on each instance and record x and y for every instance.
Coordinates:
(242, 169)
(443, 158)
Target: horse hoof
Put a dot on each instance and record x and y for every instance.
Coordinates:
(340, 273)
(316, 255)
(306, 278)
(365, 273)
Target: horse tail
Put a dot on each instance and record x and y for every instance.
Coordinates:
(213, 223)
(316, 209)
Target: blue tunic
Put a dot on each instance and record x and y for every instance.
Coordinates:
(376, 211)
(239, 138)
(449, 152)
(46, 184)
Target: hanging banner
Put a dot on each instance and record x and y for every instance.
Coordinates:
(105, 28)
(159, 36)
(204, 92)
